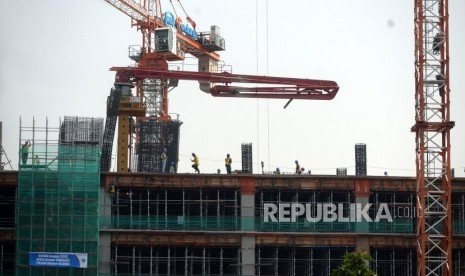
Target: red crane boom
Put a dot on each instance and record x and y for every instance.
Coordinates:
(279, 87)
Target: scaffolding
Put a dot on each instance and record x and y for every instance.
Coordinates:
(174, 209)
(341, 171)
(458, 213)
(58, 194)
(219, 209)
(301, 261)
(7, 257)
(154, 136)
(81, 131)
(246, 151)
(402, 261)
(175, 260)
(401, 206)
(393, 261)
(109, 131)
(361, 159)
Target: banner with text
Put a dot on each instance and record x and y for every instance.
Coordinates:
(58, 259)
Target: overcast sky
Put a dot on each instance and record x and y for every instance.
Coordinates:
(55, 56)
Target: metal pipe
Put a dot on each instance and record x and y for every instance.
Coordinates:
(168, 272)
(186, 260)
(166, 209)
(221, 261)
(276, 262)
(218, 209)
(115, 268)
(203, 261)
(151, 261)
(201, 208)
(133, 260)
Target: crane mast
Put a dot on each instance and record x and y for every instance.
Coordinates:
(432, 128)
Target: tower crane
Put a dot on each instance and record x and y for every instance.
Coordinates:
(166, 38)
(432, 128)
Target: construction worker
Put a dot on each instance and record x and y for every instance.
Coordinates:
(35, 160)
(196, 163)
(172, 170)
(25, 151)
(437, 44)
(163, 158)
(297, 167)
(227, 163)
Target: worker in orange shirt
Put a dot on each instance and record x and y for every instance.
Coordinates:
(196, 162)
(227, 163)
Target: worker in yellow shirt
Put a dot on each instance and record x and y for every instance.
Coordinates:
(196, 163)
(227, 163)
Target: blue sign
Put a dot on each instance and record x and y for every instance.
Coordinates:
(170, 20)
(57, 259)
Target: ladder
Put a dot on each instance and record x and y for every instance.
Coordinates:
(8, 161)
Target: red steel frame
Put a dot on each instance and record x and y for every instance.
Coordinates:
(276, 87)
(432, 128)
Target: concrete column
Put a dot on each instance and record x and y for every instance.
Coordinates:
(248, 255)
(247, 212)
(105, 207)
(104, 251)
(105, 223)
(362, 195)
(247, 225)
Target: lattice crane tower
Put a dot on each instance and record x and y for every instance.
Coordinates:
(432, 128)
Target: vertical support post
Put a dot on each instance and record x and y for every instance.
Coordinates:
(184, 205)
(218, 209)
(151, 261)
(166, 209)
(201, 208)
(311, 262)
(116, 260)
(259, 259)
(362, 194)
(236, 219)
(130, 208)
(276, 261)
(186, 261)
(221, 261)
(105, 237)
(248, 224)
(168, 269)
(203, 261)
(157, 261)
(157, 213)
(133, 260)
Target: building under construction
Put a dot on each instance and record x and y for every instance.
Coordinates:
(64, 212)
(149, 223)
